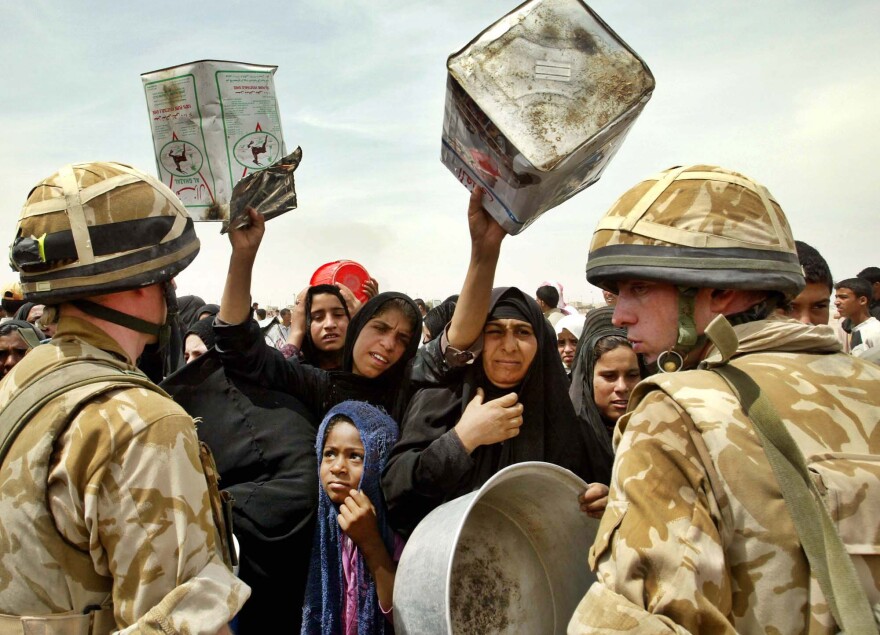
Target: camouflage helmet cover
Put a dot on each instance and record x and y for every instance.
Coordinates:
(95, 228)
(700, 226)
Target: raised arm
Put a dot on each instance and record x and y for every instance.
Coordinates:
(240, 343)
(298, 320)
(473, 302)
(432, 366)
(236, 303)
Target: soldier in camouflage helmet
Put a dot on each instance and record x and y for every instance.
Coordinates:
(107, 516)
(696, 536)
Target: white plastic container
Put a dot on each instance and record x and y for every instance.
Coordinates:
(213, 122)
(537, 105)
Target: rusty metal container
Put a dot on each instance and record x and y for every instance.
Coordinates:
(536, 106)
(509, 558)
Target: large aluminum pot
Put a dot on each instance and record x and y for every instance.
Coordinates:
(508, 558)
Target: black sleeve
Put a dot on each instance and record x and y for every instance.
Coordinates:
(428, 463)
(245, 355)
(263, 442)
(429, 366)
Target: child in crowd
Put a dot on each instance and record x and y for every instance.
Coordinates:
(568, 332)
(852, 298)
(354, 552)
(319, 323)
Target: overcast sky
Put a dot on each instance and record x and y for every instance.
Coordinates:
(786, 92)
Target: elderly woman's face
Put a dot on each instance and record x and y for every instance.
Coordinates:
(509, 347)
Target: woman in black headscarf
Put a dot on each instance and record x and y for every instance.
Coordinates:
(605, 371)
(381, 339)
(509, 406)
(319, 325)
(188, 307)
(198, 340)
(208, 310)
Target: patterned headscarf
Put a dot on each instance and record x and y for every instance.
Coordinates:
(324, 600)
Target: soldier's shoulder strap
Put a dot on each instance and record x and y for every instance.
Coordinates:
(100, 375)
(821, 542)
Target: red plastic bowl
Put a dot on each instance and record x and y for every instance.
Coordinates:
(346, 272)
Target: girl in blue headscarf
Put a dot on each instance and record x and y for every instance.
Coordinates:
(354, 552)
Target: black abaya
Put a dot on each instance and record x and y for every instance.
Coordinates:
(429, 465)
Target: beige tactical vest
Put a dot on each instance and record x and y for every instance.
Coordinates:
(32, 571)
(829, 404)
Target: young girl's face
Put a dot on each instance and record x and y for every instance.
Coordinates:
(381, 343)
(328, 322)
(342, 461)
(615, 374)
(567, 345)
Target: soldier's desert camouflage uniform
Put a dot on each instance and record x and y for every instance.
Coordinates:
(128, 519)
(696, 536)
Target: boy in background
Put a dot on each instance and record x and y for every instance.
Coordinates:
(852, 300)
(811, 306)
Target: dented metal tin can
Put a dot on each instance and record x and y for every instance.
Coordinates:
(537, 105)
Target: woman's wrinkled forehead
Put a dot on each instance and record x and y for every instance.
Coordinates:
(506, 323)
(507, 308)
(389, 313)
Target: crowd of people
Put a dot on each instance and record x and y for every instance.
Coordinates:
(336, 426)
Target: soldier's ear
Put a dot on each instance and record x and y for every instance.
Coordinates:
(720, 300)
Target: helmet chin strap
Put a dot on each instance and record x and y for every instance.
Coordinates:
(161, 331)
(688, 340)
(673, 360)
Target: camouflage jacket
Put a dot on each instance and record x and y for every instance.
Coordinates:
(128, 519)
(696, 536)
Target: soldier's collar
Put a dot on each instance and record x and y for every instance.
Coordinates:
(76, 327)
(724, 340)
